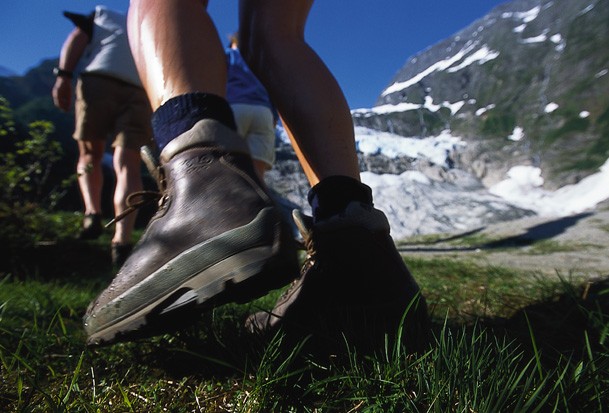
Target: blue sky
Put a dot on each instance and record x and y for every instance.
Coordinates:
(363, 42)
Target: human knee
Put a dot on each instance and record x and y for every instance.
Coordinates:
(90, 153)
(126, 160)
(140, 5)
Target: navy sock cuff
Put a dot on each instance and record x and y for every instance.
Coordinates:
(179, 114)
(332, 195)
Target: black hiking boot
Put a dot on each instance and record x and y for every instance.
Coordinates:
(354, 288)
(92, 227)
(217, 237)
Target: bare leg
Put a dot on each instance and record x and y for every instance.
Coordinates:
(128, 180)
(90, 176)
(176, 48)
(318, 121)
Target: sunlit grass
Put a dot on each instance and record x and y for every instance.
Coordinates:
(503, 341)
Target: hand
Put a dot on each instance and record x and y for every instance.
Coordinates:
(62, 93)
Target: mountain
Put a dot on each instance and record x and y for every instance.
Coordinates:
(35, 84)
(526, 84)
(30, 98)
(5, 72)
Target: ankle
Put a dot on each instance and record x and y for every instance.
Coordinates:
(121, 240)
(332, 195)
(181, 113)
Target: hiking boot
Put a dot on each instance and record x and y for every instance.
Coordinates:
(354, 288)
(217, 237)
(91, 227)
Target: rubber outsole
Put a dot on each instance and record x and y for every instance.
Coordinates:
(239, 278)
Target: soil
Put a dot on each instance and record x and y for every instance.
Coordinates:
(577, 245)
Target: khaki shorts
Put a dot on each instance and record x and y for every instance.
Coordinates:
(255, 123)
(106, 108)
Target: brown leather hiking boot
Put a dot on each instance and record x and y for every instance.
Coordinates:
(217, 237)
(354, 288)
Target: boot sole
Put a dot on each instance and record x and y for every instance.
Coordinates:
(240, 277)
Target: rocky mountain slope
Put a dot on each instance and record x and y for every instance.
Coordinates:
(526, 84)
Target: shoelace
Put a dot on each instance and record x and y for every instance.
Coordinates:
(307, 245)
(147, 197)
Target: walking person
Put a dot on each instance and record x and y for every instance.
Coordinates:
(109, 103)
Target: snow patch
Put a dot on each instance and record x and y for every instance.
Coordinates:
(550, 107)
(415, 204)
(536, 39)
(517, 134)
(406, 106)
(385, 109)
(485, 109)
(601, 73)
(587, 9)
(559, 41)
(483, 55)
(530, 15)
(525, 16)
(435, 149)
(523, 188)
(556, 38)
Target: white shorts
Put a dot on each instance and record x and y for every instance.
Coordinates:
(256, 124)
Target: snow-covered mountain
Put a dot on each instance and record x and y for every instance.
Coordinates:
(527, 84)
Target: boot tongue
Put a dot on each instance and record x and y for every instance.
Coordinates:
(150, 157)
(206, 133)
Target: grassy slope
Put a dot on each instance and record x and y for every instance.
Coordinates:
(504, 341)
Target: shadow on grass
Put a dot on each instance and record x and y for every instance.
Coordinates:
(217, 343)
(66, 259)
(566, 324)
(562, 325)
(544, 231)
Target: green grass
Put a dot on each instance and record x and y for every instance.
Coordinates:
(499, 125)
(503, 341)
(544, 247)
